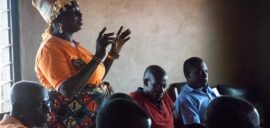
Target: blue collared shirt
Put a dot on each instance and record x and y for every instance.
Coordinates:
(192, 103)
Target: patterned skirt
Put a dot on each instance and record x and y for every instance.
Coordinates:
(78, 112)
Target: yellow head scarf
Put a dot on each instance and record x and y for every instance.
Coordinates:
(50, 9)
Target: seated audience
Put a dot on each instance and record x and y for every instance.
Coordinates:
(152, 98)
(231, 112)
(122, 113)
(196, 94)
(29, 106)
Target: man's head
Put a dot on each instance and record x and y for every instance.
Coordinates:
(117, 96)
(154, 79)
(231, 112)
(29, 103)
(196, 72)
(122, 113)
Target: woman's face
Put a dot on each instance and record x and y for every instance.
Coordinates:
(71, 18)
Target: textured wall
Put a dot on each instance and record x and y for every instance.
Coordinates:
(163, 32)
(232, 36)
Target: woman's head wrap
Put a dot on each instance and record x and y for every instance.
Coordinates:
(50, 9)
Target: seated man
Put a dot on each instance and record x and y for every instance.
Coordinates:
(29, 106)
(231, 112)
(196, 94)
(157, 104)
(122, 113)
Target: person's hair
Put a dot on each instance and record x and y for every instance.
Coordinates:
(230, 112)
(19, 91)
(153, 70)
(190, 64)
(116, 96)
(194, 125)
(119, 96)
(122, 113)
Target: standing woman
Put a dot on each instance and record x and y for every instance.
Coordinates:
(72, 73)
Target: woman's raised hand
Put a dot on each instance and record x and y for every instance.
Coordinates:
(120, 39)
(102, 42)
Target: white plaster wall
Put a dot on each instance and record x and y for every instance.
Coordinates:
(164, 32)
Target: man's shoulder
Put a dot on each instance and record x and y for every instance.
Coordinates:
(138, 97)
(185, 94)
(185, 91)
(167, 99)
(11, 126)
(10, 122)
(136, 94)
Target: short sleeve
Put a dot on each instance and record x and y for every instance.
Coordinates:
(54, 66)
(188, 111)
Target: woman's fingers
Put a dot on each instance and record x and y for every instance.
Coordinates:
(107, 39)
(101, 32)
(110, 38)
(119, 31)
(125, 34)
(118, 41)
(125, 40)
(109, 42)
(108, 34)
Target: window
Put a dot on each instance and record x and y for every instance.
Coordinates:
(9, 60)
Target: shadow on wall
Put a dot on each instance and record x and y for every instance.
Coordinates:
(244, 26)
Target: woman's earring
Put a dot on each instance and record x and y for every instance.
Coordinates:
(60, 28)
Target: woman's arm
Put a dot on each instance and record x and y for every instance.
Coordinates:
(120, 40)
(107, 63)
(77, 82)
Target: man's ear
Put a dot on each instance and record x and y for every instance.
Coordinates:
(18, 109)
(145, 81)
(188, 76)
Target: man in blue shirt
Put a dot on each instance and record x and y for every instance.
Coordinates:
(196, 94)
